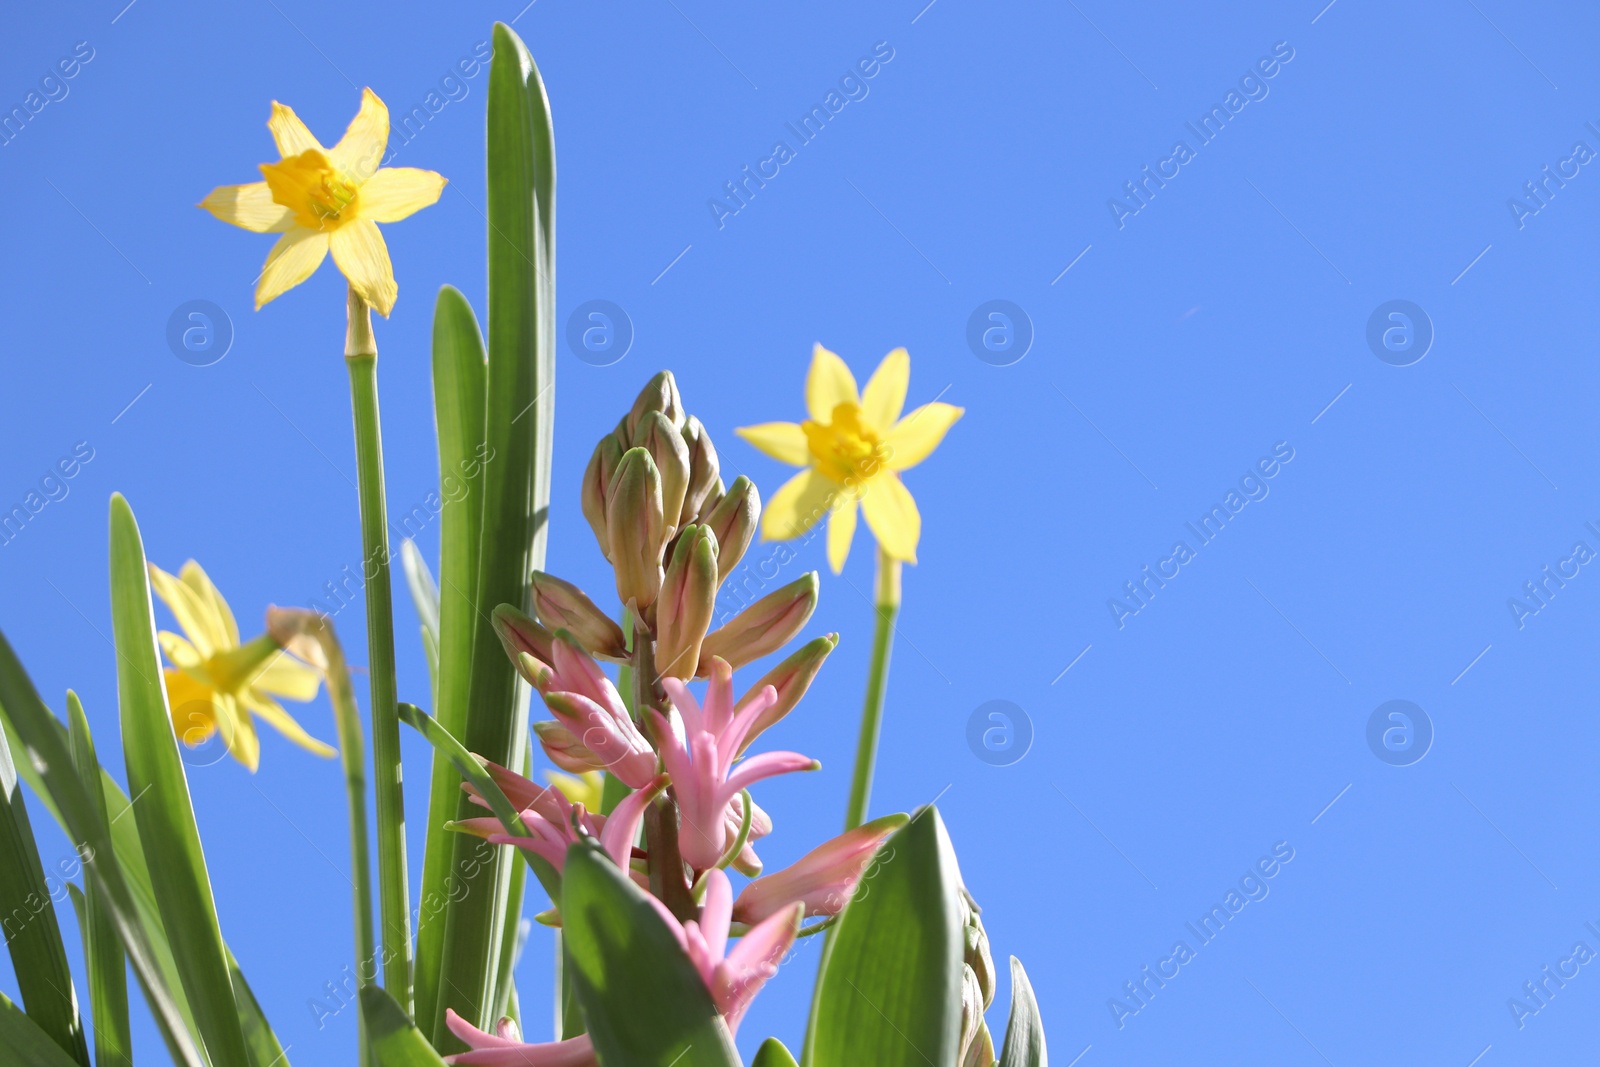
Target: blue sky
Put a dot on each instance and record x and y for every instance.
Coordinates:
(1177, 352)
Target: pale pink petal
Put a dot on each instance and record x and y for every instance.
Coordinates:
(688, 707)
(621, 827)
(719, 697)
(767, 765)
(732, 739)
(491, 1050)
(753, 960)
(822, 880)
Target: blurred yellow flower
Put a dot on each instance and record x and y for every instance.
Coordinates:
(323, 199)
(216, 683)
(853, 447)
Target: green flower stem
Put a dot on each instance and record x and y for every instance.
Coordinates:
(887, 607)
(352, 754)
(667, 880)
(361, 354)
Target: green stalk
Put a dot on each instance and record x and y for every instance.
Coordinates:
(887, 607)
(361, 354)
(347, 716)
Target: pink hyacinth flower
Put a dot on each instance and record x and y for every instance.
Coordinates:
(704, 777)
(549, 816)
(733, 978)
(600, 735)
(822, 880)
(505, 1050)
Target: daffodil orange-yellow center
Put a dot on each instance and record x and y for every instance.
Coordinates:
(847, 449)
(318, 193)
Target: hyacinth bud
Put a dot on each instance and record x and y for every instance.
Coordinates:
(976, 951)
(977, 1046)
(734, 521)
(704, 470)
(563, 606)
(671, 454)
(565, 749)
(659, 394)
(763, 627)
(790, 679)
(596, 480)
(635, 528)
(688, 598)
(522, 636)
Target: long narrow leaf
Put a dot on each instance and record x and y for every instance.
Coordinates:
(1024, 1045)
(470, 769)
(25, 1043)
(516, 483)
(102, 949)
(165, 814)
(458, 404)
(28, 917)
(889, 987)
(41, 740)
(645, 1004)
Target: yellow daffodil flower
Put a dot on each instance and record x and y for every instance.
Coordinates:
(587, 788)
(323, 199)
(853, 447)
(216, 683)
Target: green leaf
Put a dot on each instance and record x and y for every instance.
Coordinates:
(1024, 1045)
(394, 1041)
(889, 990)
(470, 769)
(419, 580)
(41, 741)
(519, 402)
(25, 1043)
(28, 917)
(644, 1002)
(102, 949)
(165, 815)
(773, 1054)
(458, 405)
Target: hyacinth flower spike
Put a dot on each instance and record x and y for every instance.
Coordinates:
(701, 761)
(505, 1048)
(733, 978)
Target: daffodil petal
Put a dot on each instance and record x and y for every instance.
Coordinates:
(360, 150)
(915, 437)
(186, 606)
(295, 257)
(182, 654)
(885, 395)
(284, 723)
(841, 530)
(289, 133)
(359, 250)
(395, 192)
(225, 629)
(828, 384)
(287, 677)
(190, 702)
(238, 732)
(893, 516)
(797, 505)
(783, 441)
(250, 207)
